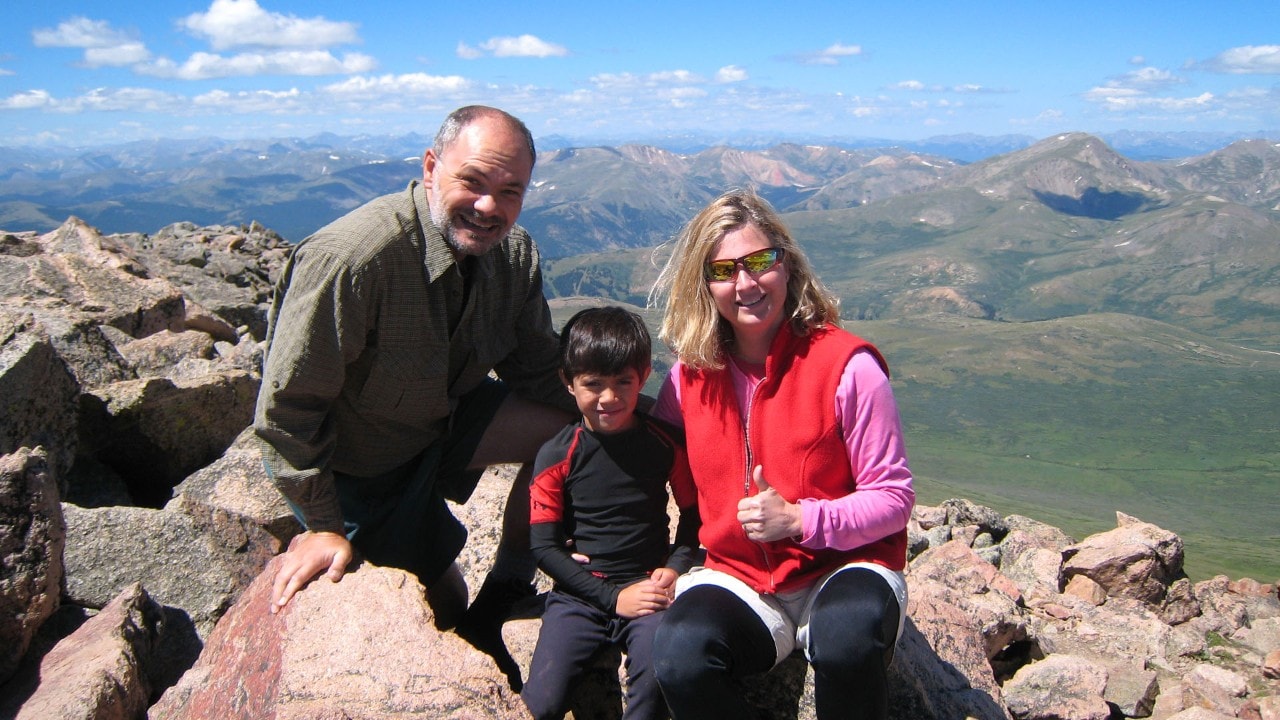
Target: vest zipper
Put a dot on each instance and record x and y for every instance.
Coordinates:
(748, 481)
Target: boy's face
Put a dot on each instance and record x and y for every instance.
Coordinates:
(608, 402)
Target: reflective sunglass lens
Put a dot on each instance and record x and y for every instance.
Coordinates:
(758, 262)
(755, 263)
(720, 270)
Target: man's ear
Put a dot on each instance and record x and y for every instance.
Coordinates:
(568, 382)
(429, 164)
(644, 375)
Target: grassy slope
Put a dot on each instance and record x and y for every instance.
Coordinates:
(1068, 421)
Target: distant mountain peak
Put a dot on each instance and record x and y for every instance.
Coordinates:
(1066, 166)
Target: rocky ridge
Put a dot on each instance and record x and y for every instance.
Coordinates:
(136, 523)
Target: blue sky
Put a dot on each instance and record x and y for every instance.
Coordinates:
(80, 72)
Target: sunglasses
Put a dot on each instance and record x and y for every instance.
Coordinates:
(755, 263)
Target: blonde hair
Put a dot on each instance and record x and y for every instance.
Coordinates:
(691, 325)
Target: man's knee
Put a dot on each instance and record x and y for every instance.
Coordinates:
(447, 598)
(516, 432)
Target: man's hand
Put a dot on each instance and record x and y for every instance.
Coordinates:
(767, 516)
(308, 555)
(641, 598)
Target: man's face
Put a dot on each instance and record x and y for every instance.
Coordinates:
(475, 189)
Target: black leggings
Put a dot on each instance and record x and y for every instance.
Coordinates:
(710, 640)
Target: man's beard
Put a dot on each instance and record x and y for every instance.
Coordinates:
(443, 222)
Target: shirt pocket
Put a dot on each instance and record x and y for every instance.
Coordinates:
(406, 387)
(491, 343)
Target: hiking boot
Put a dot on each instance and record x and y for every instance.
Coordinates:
(481, 625)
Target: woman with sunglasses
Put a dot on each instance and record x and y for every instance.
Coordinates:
(797, 453)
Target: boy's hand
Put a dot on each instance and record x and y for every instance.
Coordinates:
(664, 579)
(577, 556)
(308, 555)
(640, 599)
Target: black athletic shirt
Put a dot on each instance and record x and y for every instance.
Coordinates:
(608, 493)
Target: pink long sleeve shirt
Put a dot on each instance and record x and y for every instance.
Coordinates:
(872, 434)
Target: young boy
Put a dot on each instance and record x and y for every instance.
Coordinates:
(600, 491)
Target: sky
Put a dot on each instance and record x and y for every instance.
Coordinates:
(88, 72)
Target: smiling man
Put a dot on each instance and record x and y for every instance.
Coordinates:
(377, 403)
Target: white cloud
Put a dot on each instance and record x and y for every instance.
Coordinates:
(1261, 105)
(630, 81)
(80, 32)
(686, 93)
(831, 55)
(1128, 99)
(1107, 92)
(580, 97)
(395, 93)
(1248, 60)
(683, 97)
(29, 100)
(131, 99)
(252, 101)
(608, 81)
(407, 84)
(103, 45)
(731, 74)
(1051, 118)
(917, 86)
(236, 23)
(676, 77)
(519, 46)
(127, 99)
(841, 50)
(122, 55)
(1147, 78)
(1137, 91)
(203, 66)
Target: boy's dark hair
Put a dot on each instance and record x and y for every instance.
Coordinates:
(604, 341)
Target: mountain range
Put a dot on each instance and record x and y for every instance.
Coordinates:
(1071, 330)
(294, 185)
(1064, 227)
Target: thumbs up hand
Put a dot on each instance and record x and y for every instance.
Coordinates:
(767, 516)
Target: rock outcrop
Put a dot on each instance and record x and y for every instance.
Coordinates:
(98, 671)
(32, 538)
(137, 531)
(364, 647)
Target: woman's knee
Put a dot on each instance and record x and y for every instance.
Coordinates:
(708, 630)
(854, 621)
(679, 644)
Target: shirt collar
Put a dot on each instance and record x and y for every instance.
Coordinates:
(437, 256)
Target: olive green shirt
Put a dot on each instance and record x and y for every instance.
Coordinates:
(362, 369)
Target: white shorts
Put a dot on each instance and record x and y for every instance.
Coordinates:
(786, 615)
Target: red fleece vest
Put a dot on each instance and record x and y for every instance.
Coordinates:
(790, 428)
